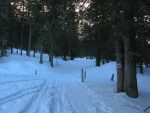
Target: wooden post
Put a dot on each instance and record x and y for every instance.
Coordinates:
(84, 74)
(82, 78)
(35, 72)
(112, 78)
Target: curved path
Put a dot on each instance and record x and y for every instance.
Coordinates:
(50, 96)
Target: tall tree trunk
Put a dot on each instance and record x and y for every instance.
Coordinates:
(64, 58)
(98, 60)
(3, 51)
(51, 54)
(22, 34)
(69, 52)
(41, 50)
(128, 30)
(130, 80)
(29, 41)
(12, 48)
(120, 65)
(17, 50)
(34, 52)
(103, 61)
(21, 46)
(141, 67)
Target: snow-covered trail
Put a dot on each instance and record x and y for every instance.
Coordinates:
(60, 90)
(51, 96)
(57, 90)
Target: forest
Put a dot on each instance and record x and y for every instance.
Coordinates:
(104, 30)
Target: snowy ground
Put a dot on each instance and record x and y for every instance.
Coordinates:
(59, 90)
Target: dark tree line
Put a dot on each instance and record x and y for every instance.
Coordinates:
(101, 29)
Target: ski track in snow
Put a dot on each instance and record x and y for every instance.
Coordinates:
(19, 81)
(56, 96)
(19, 94)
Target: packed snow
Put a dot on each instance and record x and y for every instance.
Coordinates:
(26, 86)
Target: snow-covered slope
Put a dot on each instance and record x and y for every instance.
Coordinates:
(60, 90)
(99, 81)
